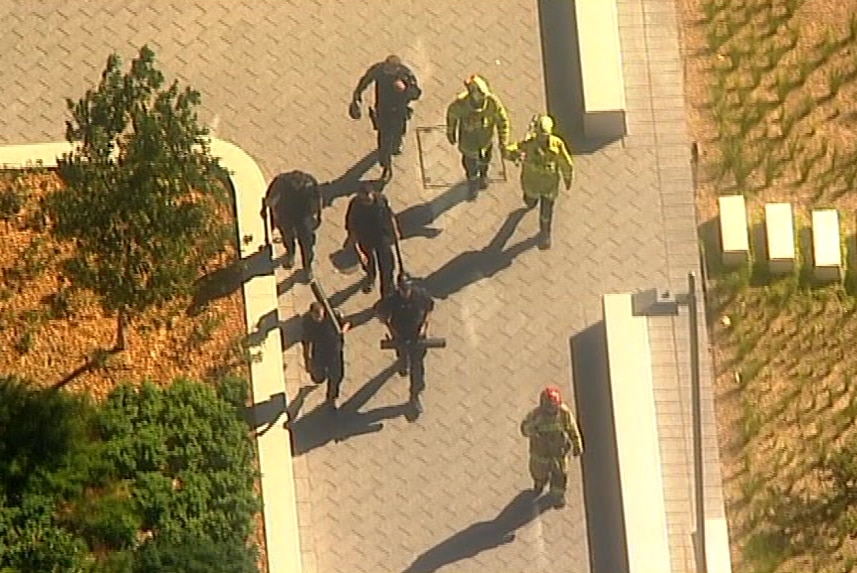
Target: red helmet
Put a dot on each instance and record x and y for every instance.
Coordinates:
(550, 396)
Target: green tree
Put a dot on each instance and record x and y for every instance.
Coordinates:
(143, 197)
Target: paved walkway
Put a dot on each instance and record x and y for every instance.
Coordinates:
(375, 491)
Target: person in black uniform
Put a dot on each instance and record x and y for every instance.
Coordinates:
(395, 87)
(372, 228)
(323, 346)
(293, 200)
(406, 313)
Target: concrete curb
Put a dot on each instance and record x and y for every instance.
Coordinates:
(266, 370)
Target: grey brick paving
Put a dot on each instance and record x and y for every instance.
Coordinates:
(377, 492)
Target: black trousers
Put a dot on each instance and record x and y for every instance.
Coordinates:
(379, 259)
(329, 367)
(390, 127)
(304, 234)
(476, 167)
(545, 210)
(413, 357)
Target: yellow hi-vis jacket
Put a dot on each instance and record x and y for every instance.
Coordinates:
(474, 128)
(542, 169)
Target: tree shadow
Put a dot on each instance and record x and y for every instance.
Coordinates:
(471, 266)
(99, 359)
(346, 184)
(226, 280)
(415, 220)
(322, 425)
(482, 536)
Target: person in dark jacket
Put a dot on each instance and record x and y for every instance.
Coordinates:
(406, 313)
(395, 87)
(372, 229)
(323, 349)
(293, 200)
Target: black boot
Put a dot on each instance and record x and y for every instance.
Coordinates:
(472, 188)
(483, 179)
(417, 404)
(544, 236)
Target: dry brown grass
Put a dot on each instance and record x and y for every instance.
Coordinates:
(50, 333)
(770, 127)
(49, 330)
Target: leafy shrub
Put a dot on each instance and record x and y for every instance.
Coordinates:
(193, 554)
(79, 484)
(190, 458)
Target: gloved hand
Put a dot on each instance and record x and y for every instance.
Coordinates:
(354, 111)
(451, 137)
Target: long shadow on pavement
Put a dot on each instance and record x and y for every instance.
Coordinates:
(346, 184)
(415, 221)
(322, 425)
(482, 536)
(226, 280)
(600, 464)
(471, 266)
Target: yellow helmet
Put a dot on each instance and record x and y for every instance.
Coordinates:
(476, 84)
(543, 124)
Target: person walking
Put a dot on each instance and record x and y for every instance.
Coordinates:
(406, 314)
(293, 201)
(372, 229)
(471, 120)
(553, 434)
(396, 87)
(323, 349)
(544, 160)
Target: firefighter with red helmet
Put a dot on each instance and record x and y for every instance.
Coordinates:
(553, 434)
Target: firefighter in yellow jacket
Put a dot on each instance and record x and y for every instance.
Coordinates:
(471, 120)
(545, 160)
(553, 434)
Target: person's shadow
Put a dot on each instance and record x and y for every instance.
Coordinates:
(226, 280)
(322, 425)
(484, 535)
(472, 266)
(346, 184)
(415, 221)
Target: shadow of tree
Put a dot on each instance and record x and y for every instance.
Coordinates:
(100, 358)
(483, 535)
